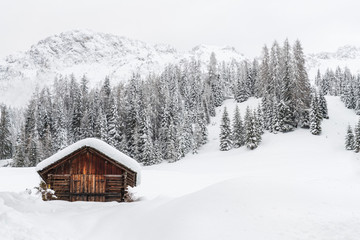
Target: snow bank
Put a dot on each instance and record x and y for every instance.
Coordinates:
(294, 186)
(5, 162)
(99, 145)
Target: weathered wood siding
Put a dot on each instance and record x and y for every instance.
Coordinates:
(87, 175)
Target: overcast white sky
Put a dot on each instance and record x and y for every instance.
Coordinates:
(247, 25)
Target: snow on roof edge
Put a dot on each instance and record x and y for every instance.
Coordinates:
(102, 147)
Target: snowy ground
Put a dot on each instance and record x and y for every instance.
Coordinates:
(5, 162)
(294, 186)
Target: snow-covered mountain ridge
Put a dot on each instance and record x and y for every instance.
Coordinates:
(98, 55)
(346, 56)
(95, 54)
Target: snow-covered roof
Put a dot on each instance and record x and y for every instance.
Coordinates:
(99, 145)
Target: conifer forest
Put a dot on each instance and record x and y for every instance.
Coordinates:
(164, 116)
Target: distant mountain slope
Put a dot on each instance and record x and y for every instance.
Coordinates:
(99, 54)
(346, 56)
(95, 54)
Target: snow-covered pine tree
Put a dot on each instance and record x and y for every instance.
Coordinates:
(85, 126)
(323, 106)
(286, 106)
(241, 88)
(102, 124)
(201, 121)
(30, 133)
(5, 135)
(315, 116)
(225, 132)
(187, 136)
(274, 86)
(19, 155)
(260, 119)
(76, 111)
(257, 127)
(357, 137)
(275, 124)
(214, 81)
(145, 145)
(264, 73)
(106, 92)
(238, 133)
(302, 91)
(84, 90)
(318, 78)
(61, 135)
(304, 120)
(113, 135)
(249, 80)
(131, 115)
(349, 139)
(258, 88)
(325, 82)
(265, 105)
(251, 133)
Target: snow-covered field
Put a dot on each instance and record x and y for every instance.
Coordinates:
(294, 186)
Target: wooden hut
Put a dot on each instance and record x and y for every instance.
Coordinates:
(90, 170)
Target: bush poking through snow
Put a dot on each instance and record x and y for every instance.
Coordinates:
(46, 193)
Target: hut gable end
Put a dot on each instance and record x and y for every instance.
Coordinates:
(83, 172)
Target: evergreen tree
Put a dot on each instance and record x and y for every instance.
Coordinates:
(76, 112)
(357, 137)
(242, 86)
(214, 82)
(5, 135)
(238, 130)
(113, 135)
(274, 85)
(251, 134)
(275, 123)
(19, 155)
(264, 72)
(323, 106)
(225, 132)
(259, 120)
(301, 81)
(349, 139)
(315, 116)
(286, 105)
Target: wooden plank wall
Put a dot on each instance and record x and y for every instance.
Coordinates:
(89, 176)
(82, 187)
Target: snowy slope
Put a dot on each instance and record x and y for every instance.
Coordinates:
(294, 186)
(346, 56)
(95, 54)
(5, 162)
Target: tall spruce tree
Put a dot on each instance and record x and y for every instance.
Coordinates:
(349, 139)
(214, 81)
(264, 73)
(252, 136)
(238, 133)
(357, 137)
(225, 132)
(315, 116)
(286, 105)
(302, 91)
(5, 135)
(323, 106)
